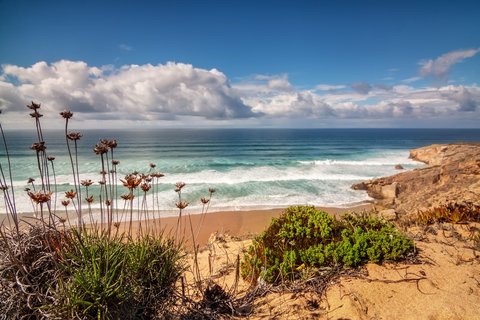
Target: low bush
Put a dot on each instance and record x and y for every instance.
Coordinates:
(304, 237)
(87, 275)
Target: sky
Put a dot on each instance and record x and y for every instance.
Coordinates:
(299, 64)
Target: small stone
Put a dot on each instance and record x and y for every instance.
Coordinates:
(399, 167)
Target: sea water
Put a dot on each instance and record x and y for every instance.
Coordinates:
(249, 168)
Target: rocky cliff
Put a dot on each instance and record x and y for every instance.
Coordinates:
(452, 174)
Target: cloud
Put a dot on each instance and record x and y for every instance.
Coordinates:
(175, 91)
(440, 67)
(148, 91)
(411, 79)
(125, 47)
(329, 87)
(361, 87)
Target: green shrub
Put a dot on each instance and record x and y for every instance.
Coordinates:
(306, 237)
(112, 278)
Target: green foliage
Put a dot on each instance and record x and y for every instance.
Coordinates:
(111, 278)
(306, 237)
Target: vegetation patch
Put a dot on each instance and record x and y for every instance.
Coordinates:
(304, 238)
(451, 213)
(68, 274)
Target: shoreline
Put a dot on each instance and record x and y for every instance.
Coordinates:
(236, 223)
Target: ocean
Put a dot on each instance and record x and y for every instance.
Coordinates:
(249, 168)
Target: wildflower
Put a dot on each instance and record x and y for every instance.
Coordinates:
(205, 200)
(66, 114)
(145, 187)
(116, 225)
(70, 194)
(66, 202)
(131, 181)
(86, 183)
(158, 175)
(127, 197)
(152, 165)
(36, 115)
(40, 197)
(38, 146)
(74, 136)
(108, 202)
(112, 144)
(101, 182)
(89, 199)
(211, 190)
(100, 149)
(181, 204)
(50, 158)
(115, 162)
(148, 179)
(27, 189)
(30, 180)
(34, 106)
(179, 186)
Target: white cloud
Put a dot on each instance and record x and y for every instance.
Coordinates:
(173, 91)
(411, 79)
(329, 87)
(440, 67)
(146, 91)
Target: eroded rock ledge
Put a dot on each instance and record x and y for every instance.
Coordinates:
(452, 175)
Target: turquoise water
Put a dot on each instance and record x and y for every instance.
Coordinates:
(249, 168)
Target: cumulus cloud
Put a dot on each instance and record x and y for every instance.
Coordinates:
(361, 87)
(147, 91)
(440, 67)
(176, 91)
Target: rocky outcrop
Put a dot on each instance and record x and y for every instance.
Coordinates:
(452, 174)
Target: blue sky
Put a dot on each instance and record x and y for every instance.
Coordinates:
(243, 63)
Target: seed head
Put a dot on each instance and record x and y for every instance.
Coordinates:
(70, 194)
(152, 165)
(74, 136)
(89, 199)
(50, 158)
(205, 200)
(179, 186)
(3, 187)
(30, 180)
(181, 204)
(115, 162)
(131, 181)
(40, 197)
(65, 202)
(66, 114)
(38, 146)
(145, 187)
(100, 148)
(34, 106)
(86, 183)
(127, 197)
(211, 190)
(36, 114)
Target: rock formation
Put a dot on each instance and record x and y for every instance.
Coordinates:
(452, 174)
